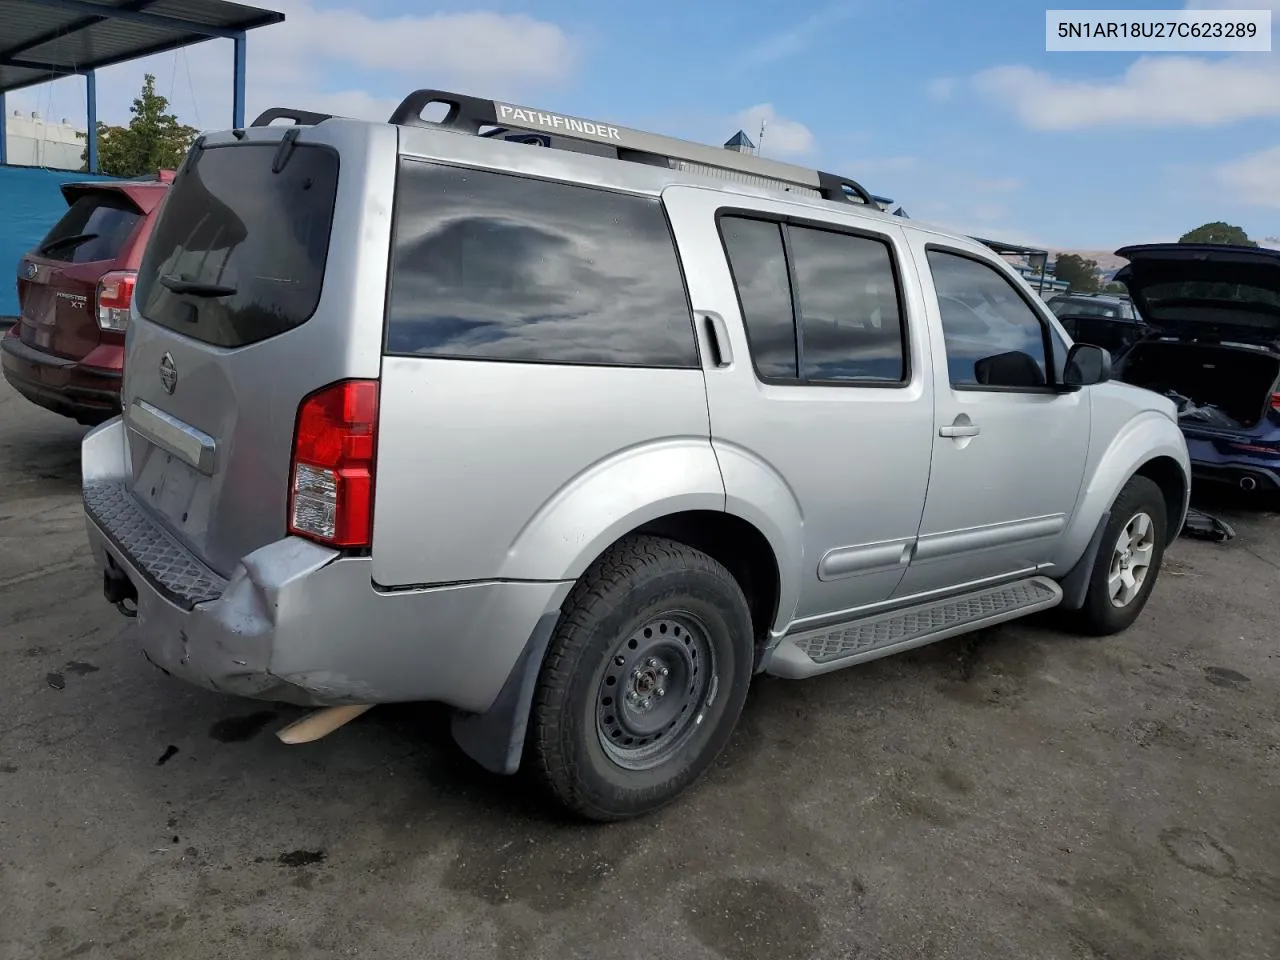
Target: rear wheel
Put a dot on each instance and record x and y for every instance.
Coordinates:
(644, 679)
(1128, 560)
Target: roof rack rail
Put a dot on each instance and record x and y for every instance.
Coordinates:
(472, 115)
(299, 117)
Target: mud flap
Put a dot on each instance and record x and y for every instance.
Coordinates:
(495, 739)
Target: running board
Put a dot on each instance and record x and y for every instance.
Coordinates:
(842, 645)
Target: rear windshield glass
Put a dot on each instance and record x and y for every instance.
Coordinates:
(489, 266)
(1085, 308)
(1201, 291)
(95, 227)
(239, 252)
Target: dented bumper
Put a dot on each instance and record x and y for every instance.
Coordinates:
(297, 622)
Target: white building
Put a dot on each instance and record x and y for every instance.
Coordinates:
(32, 141)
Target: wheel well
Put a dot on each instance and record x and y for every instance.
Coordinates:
(1165, 473)
(740, 547)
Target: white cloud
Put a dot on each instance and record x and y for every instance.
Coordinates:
(942, 89)
(787, 43)
(782, 137)
(1254, 178)
(293, 63)
(1156, 91)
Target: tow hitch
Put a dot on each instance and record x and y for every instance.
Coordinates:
(120, 592)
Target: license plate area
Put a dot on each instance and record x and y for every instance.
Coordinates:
(172, 489)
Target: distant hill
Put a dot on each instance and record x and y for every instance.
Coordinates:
(1108, 262)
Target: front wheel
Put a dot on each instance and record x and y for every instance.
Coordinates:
(1128, 560)
(644, 679)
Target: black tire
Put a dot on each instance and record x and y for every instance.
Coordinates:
(1100, 615)
(688, 603)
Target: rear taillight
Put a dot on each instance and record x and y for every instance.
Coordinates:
(115, 293)
(331, 477)
(1275, 401)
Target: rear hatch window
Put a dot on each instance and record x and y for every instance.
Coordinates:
(95, 227)
(239, 252)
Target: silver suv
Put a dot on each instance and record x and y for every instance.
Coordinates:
(576, 428)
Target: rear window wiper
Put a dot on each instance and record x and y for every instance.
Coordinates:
(195, 288)
(74, 240)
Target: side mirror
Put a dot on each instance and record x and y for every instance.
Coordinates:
(1086, 365)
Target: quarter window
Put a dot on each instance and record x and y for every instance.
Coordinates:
(490, 266)
(993, 337)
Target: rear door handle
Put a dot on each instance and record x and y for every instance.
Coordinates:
(960, 430)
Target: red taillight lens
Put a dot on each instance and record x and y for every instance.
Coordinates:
(1275, 401)
(331, 494)
(115, 293)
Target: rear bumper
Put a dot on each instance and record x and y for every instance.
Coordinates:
(90, 394)
(297, 622)
(1247, 476)
(1239, 468)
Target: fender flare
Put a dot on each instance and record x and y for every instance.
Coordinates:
(1144, 439)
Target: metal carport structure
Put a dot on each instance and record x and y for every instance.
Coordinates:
(43, 40)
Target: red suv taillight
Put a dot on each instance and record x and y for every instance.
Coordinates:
(115, 293)
(331, 476)
(1275, 401)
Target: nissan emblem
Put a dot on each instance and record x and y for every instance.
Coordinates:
(168, 373)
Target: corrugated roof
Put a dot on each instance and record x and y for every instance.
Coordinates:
(46, 39)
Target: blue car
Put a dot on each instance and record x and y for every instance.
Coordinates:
(1213, 347)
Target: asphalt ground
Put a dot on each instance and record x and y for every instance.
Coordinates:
(1017, 793)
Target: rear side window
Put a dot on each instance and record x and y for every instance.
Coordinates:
(95, 227)
(239, 252)
(490, 266)
(820, 306)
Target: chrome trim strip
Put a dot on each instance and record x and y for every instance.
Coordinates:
(184, 441)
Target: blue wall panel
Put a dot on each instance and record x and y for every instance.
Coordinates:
(30, 203)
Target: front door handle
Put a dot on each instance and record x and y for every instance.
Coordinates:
(960, 430)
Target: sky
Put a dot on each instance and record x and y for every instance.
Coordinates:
(953, 109)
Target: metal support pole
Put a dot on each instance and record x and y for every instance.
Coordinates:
(237, 95)
(91, 95)
(4, 126)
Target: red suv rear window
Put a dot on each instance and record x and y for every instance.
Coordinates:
(95, 227)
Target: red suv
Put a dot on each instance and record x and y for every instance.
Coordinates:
(66, 352)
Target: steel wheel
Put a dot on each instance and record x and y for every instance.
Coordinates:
(1131, 560)
(654, 692)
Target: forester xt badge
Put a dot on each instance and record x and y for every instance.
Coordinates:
(524, 117)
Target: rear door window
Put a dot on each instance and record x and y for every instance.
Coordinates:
(490, 266)
(95, 227)
(239, 252)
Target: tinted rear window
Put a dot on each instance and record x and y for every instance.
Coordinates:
(95, 227)
(249, 244)
(492, 266)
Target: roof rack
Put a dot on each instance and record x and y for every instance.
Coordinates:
(491, 118)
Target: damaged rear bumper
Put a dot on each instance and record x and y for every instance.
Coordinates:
(298, 622)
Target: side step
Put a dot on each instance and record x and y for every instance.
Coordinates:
(830, 648)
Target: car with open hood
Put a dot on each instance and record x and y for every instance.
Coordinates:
(1214, 349)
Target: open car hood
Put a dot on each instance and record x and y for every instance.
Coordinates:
(1205, 290)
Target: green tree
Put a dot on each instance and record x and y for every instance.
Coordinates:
(1114, 287)
(1082, 274)
(1218, 232)
(153, 140)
